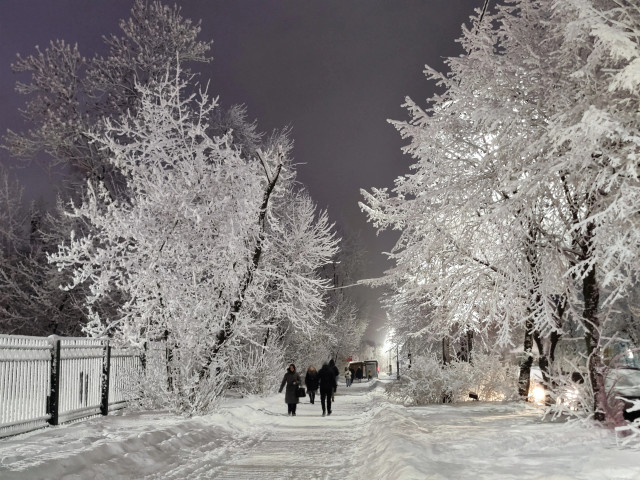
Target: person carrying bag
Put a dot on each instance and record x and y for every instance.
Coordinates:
(291, 380)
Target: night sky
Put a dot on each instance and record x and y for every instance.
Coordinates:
(335, 70)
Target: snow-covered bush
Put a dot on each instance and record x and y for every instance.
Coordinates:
(428, 381)
(490, 378)
(256, 370)
(571, 394)
(423, 384)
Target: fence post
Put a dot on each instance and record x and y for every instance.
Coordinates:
(106, 370)
(54, 388)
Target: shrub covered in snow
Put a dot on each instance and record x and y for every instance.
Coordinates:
(256, 370)
(428, 381)
(571, 395)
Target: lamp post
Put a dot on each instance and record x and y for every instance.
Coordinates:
(397, 363)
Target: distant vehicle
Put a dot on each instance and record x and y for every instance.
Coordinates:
(369, 368)
(623, 375)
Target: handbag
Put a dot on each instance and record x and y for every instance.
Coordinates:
(301, 392)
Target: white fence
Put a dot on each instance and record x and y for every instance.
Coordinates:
(25, 376)
(54, 380)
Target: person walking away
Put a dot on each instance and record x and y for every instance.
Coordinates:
(336, 373)
(353, 375)
(347, 376)
(327, 378)
(311, 381)
(359, 374)
(291, 380)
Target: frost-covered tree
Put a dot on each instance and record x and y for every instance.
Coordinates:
(13, 222)
(206, 262)
(524, 196)
(69, 94)
(180, 245)
(345, 316)
(31, 302)
(287, 297)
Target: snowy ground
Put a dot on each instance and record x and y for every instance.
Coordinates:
(366, 437)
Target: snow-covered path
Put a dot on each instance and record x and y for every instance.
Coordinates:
(305, 446)
(366, 438)
(249, 439)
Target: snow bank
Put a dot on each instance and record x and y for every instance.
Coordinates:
(379, 440)
(488, 441)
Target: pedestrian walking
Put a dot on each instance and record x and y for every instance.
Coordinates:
(336, 373)
(311, 381)
(359, 374)
(291, 380)
(327, 378)
(347, 376)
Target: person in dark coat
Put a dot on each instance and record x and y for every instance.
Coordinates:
(311, 381)
(327, 378)
(292, 381)
(336, 371)
(359, 374)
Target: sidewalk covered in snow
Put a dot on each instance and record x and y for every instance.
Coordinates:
(366, 437)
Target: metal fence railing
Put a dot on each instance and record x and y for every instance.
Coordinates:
(126, 364)
(54, 380)
(81, 363)
(25, 375)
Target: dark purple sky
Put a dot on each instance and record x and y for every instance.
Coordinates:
(335, 70)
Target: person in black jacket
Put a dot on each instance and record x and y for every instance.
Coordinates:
(327, 378)
(336, 371)
(292, 381)
(311, 381)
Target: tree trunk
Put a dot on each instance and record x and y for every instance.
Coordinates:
(524, 379)
(467, 346)
(169, 360)
(227, 328)
(527, 361)
(446, 359)
(591, 295)
(544, 364)
(446, 354)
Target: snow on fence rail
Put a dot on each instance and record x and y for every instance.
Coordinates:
(53, 380)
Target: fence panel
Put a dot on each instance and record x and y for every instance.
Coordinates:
(80, 378)
(125, 375)
(25, 366)
(39, 385)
